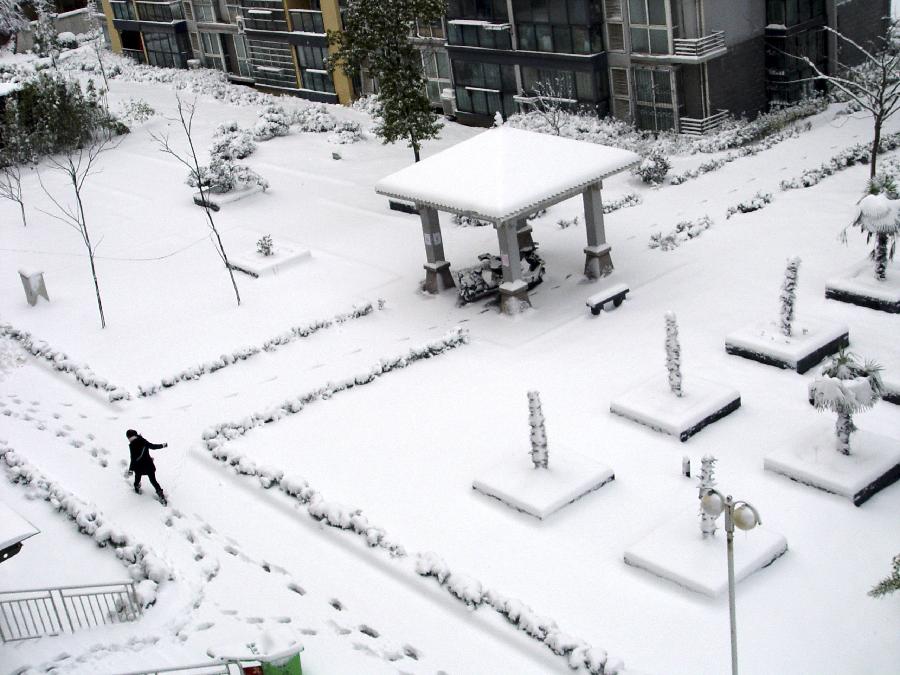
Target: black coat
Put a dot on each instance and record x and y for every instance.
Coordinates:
(140, 448)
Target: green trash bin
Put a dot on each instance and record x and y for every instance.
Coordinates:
(283, 664)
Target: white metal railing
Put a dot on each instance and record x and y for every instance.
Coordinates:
(698, 47)
(50, 611)
(697, 126)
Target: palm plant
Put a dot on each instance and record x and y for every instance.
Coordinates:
(846, 387)
(879, 217)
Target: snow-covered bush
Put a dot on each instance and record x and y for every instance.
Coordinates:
(467, 221)
(855, 154)
(684, 230)
(265, 246)
(59, 361)
(654, 167)
(223, 175)
(623, 202)
(673, 354)
(566, 223)
(273, 121)
(367, 104)
(539, 454)
(346, 131)
(789, 295)
(846, 386)
(736, 134)
(759, 201)
(244, 353)
(231, 141)
(67, 40)
(313, 118)
(136, 110)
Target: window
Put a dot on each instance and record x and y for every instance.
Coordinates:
(436, 66)
(123, 11)
(560, 26)
(430, 30)
(212, 45)
(618, 78)
(653, 98)
(204, 11)
(490, 36)
(160, 12)
(313, 72)
(307, 21)
(649, 26)
(272, 63)
(167, 49)
(264, 15)
(484, 88)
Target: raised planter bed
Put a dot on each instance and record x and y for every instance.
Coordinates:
(217, 200)
(809, 344)
(254, 263)
(860, 287)
(654, 405)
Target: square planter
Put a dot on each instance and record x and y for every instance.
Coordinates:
(254, 263)
(216, 201)
(860, 287)
(810, 342)
(654, 405)
(874, 463)
(541, 492)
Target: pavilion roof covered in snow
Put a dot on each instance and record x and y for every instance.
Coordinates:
(13, 527)
(505, 173)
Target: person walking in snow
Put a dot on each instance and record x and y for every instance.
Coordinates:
(142, 463)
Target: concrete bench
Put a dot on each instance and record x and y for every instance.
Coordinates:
(615, 294)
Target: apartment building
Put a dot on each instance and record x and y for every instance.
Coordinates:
(664, 64)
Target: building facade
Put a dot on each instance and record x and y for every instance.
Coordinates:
(663, 64)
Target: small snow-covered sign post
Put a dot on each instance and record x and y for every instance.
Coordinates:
(673, 354)
(707, 482)
(846, 387)
(789, 295)
(539, 454)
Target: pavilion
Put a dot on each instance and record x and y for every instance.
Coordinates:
(502, 176)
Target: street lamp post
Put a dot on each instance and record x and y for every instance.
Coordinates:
(745, 517)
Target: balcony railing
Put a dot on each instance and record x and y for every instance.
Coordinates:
(697, 126)
(700, 47)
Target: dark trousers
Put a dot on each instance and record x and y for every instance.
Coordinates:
(152, 476)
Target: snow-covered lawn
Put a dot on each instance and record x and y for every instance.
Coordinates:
(405, 447)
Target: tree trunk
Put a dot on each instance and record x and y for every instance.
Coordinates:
(844, 427)
(875, 144)
(97, 291)
(415, 147)
(881, 256)
(22, 209)
(87, 243)
(221, 247)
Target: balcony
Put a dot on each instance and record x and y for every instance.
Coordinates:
(307, 21)
(696, 126)
(700, 49)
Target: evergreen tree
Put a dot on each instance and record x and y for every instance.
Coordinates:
(539, 454)
(846, 387)
(890, 584)
(707, 480)
(673, 354)
(46, 42)
(789, 295)
(375, 36)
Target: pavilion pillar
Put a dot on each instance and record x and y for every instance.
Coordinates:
(513, 290)
(523, 233)
(597, 260)
(437, 270)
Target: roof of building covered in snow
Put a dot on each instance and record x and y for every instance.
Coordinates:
(13, 527)
(505, 173)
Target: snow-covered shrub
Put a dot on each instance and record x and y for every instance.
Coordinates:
(759, 201)
(684, 230)
(654, 167)
(539, 454)
(846, 386)
(67, 40)
(566, 223)
(467, 221)
(61, 362)
(623, 202)
(136, 111)
(232, 142)
(244, 353)
(789, 295)
(223, 175)
(736, 134)
(346, 131)
(265, 245)
(367, 104)
(859, 153)
(273, 121)
(673, 354)
(313, 118)
(707, 481)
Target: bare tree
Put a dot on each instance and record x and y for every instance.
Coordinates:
(11, 186)
(97, 35)
(78, 164)
(874, 85)
(186, 112)
(552, 100)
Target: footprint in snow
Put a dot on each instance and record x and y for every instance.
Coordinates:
(412, 652)
(229, 612)
(231, 549)
(308, 631)
(368, 630)
(254, 619)
(337, 604)
(297, 588)
(364, 648)
(206, 625)
(340, 630)
(282, 619)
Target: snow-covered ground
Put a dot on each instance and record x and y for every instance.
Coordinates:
(406, 446)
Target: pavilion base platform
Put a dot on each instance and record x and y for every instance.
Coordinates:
(438, 277)
(872, 465)
(678, 552)
(597, 261)
(809, 344)
(541, 492)
(654, 405)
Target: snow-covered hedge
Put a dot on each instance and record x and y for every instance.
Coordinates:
(244, 353)
(578, 653)
(855, 154)
(686, 229)
(144, 566)
(746, 151)
(313, 118)
(623, 202)
(740, 133)
(759, 201)
(61, 362)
